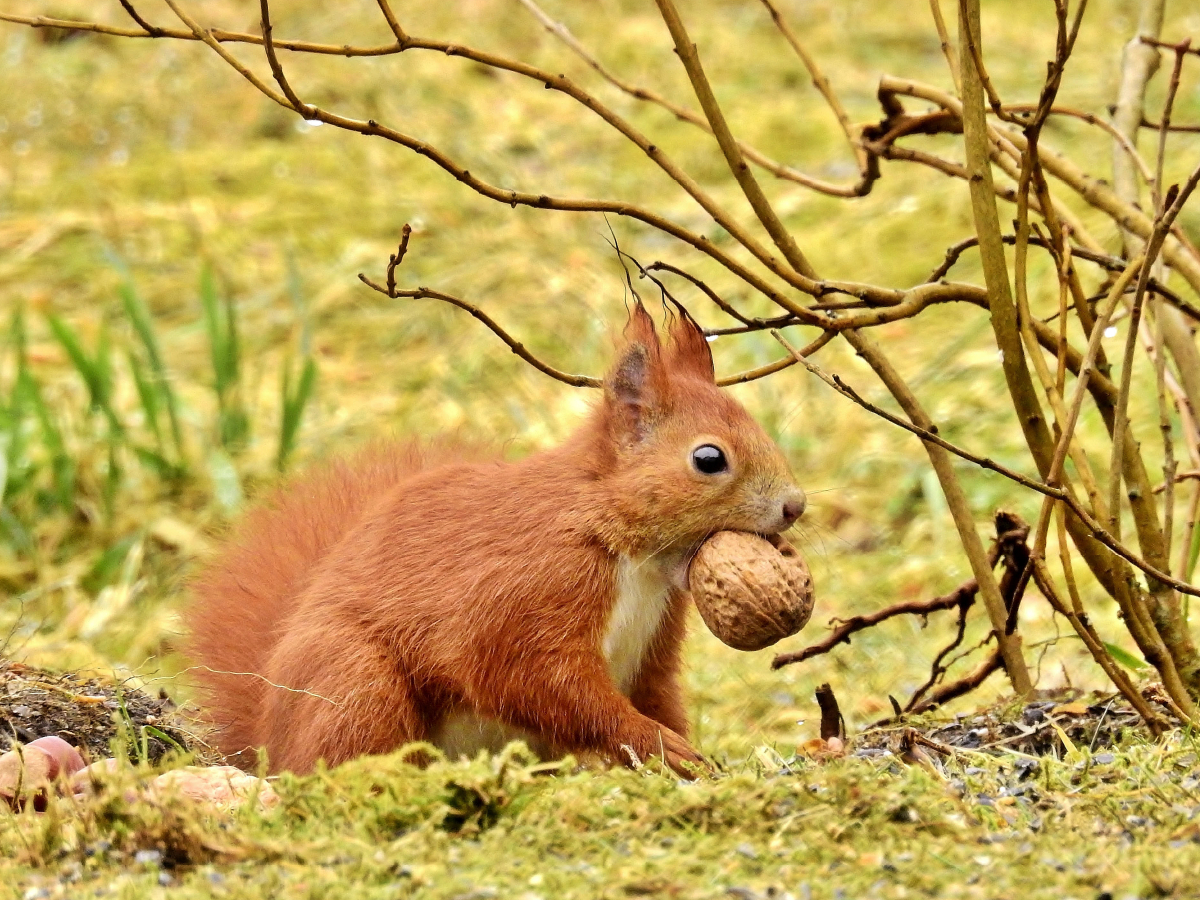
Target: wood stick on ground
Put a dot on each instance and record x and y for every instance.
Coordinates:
(833, 725)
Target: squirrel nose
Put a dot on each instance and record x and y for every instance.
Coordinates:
(793, 508)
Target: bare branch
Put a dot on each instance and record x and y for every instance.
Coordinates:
(778, 169)
(961, 597)
(780, 364)
(276, 69)
(151, 30)
(733, 155)
(935, 7)
(931, 436)
(1162, 226)
(867, 172)
(514, 345)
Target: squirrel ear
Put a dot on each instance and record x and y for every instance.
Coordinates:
(689, 351)
(633, 387)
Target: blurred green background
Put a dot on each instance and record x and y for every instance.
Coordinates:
(154, 207)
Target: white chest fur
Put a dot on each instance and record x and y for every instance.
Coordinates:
(643, 589)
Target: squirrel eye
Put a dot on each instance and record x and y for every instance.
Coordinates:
(709, 460)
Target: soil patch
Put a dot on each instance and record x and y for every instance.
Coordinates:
(1037, 728)
(88, 713)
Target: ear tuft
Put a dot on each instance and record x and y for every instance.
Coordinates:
(689, 351)
(632, 387)
(640, 329)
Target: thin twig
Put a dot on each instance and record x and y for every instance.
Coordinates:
(963, 686)
(867, 172)
(712, 295)
(1097, 121)
(1164, 45)
(939, 23)
(513, 344)
(276, 69)
(560, 83)
(397, 258)
(1094, 527)
(780, 364)
(729, 146)
(1109, 263)
(1092, 190)
(1165, 125)
(151, 30)
(957, 504)
(1179, 129)
(961, 597)
(639, 92)
(1173, 203)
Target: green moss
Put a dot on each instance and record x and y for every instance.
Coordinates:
(505, 828)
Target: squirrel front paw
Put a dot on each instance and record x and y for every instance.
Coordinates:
(663, 743)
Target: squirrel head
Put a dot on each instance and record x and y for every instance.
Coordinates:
(685, 460)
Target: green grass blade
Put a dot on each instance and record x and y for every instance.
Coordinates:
(1124, 657)
(148, 397)
(107, 567)
(96, 373)
(237, 426)
(19, 467)
(294, 405)
(143, 326)
(1193, 555)
(299, 304)
(27, 394)
(61, 464)
(220, 323)
(164, 737)
(159, 464)
(19, 537)
(70, 342)
(113, 475)
(295, 401)
(212, 323)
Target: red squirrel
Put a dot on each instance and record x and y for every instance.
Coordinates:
(411, 595)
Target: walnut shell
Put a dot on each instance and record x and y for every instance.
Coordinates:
(750, 592)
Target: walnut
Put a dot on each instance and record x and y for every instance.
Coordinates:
(751, 592)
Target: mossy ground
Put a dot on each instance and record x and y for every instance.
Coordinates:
(141, 162)
(769, 828)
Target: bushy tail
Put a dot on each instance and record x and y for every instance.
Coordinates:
(243, 597)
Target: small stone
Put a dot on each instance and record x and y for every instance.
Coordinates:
(148, 857)
(747, 850)
(1103, 759)
(26, 774)
(66, 760)
(224, 787)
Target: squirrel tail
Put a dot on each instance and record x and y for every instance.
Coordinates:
(242, 598)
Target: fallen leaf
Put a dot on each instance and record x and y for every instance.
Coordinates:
(1074, 708)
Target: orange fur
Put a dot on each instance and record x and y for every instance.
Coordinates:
(377, 601)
